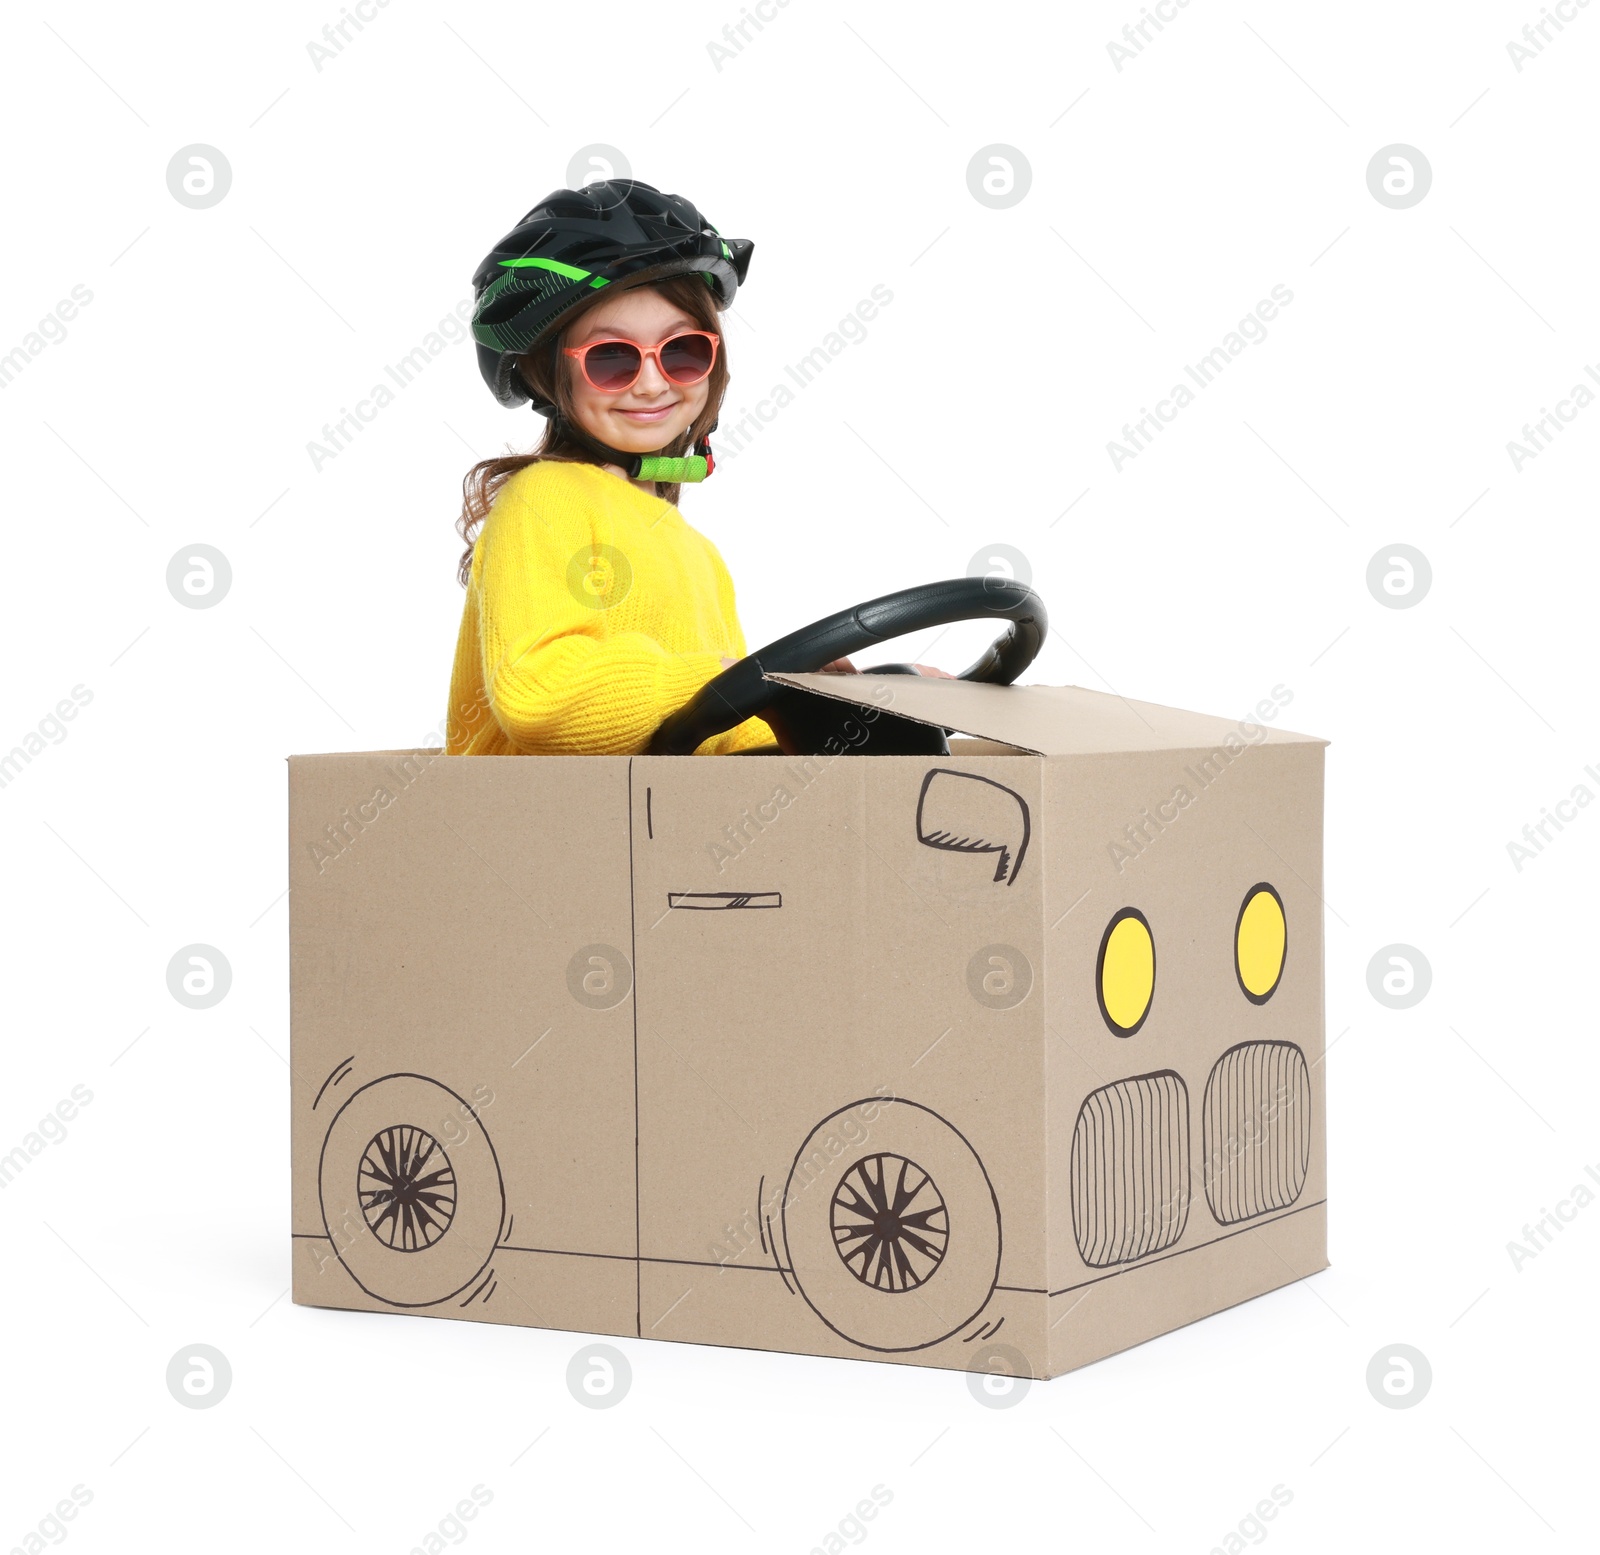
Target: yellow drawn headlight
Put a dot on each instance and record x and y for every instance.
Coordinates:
(1125, 978)
(1260, 942)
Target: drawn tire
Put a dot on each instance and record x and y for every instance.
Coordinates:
(893, 1240)
(412, 1197)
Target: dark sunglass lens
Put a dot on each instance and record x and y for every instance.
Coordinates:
(686, 358)
(613, 365)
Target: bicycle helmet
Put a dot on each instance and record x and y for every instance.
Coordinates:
(571, 243)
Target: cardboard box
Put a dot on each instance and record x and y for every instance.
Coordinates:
(883, 1057)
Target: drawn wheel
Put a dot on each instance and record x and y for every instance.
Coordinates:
(408, 1188)
(889, 1223)
(893, 1239)
(412, 1223)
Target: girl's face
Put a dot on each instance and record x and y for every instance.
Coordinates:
(654, 411)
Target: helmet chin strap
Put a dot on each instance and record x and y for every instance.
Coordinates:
(646, 467)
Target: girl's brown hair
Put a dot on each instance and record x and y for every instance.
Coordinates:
(481, 483)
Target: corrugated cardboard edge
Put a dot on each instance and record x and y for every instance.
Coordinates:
(887, 692)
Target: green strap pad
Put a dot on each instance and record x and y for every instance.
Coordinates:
(655, 468)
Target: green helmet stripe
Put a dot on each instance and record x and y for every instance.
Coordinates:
(572, 272)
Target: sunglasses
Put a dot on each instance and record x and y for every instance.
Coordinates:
(613, 366)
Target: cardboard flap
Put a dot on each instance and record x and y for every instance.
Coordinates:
(1046, 720)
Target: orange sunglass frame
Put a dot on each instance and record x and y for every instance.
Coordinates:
(645, 354)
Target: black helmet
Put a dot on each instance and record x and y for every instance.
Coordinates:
(575, 240)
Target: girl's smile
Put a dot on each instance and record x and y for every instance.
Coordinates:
(646, 416)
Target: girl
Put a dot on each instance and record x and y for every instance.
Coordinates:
(593, 609)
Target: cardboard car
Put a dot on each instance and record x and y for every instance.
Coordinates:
(1010, 1045)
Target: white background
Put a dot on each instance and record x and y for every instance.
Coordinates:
(1166, 200)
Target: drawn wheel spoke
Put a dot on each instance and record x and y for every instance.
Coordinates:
(890, 1225)
(407, 1188)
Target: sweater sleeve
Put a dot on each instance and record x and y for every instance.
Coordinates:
(558, 679)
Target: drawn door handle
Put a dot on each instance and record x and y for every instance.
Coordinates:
(722, 901)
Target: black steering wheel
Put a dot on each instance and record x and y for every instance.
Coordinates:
(806, 723)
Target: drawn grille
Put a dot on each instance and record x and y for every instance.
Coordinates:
(1130, 1169)
(1257, 1130)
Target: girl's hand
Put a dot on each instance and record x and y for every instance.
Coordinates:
(928, 669)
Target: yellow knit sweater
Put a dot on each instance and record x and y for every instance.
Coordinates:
(593, 611)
